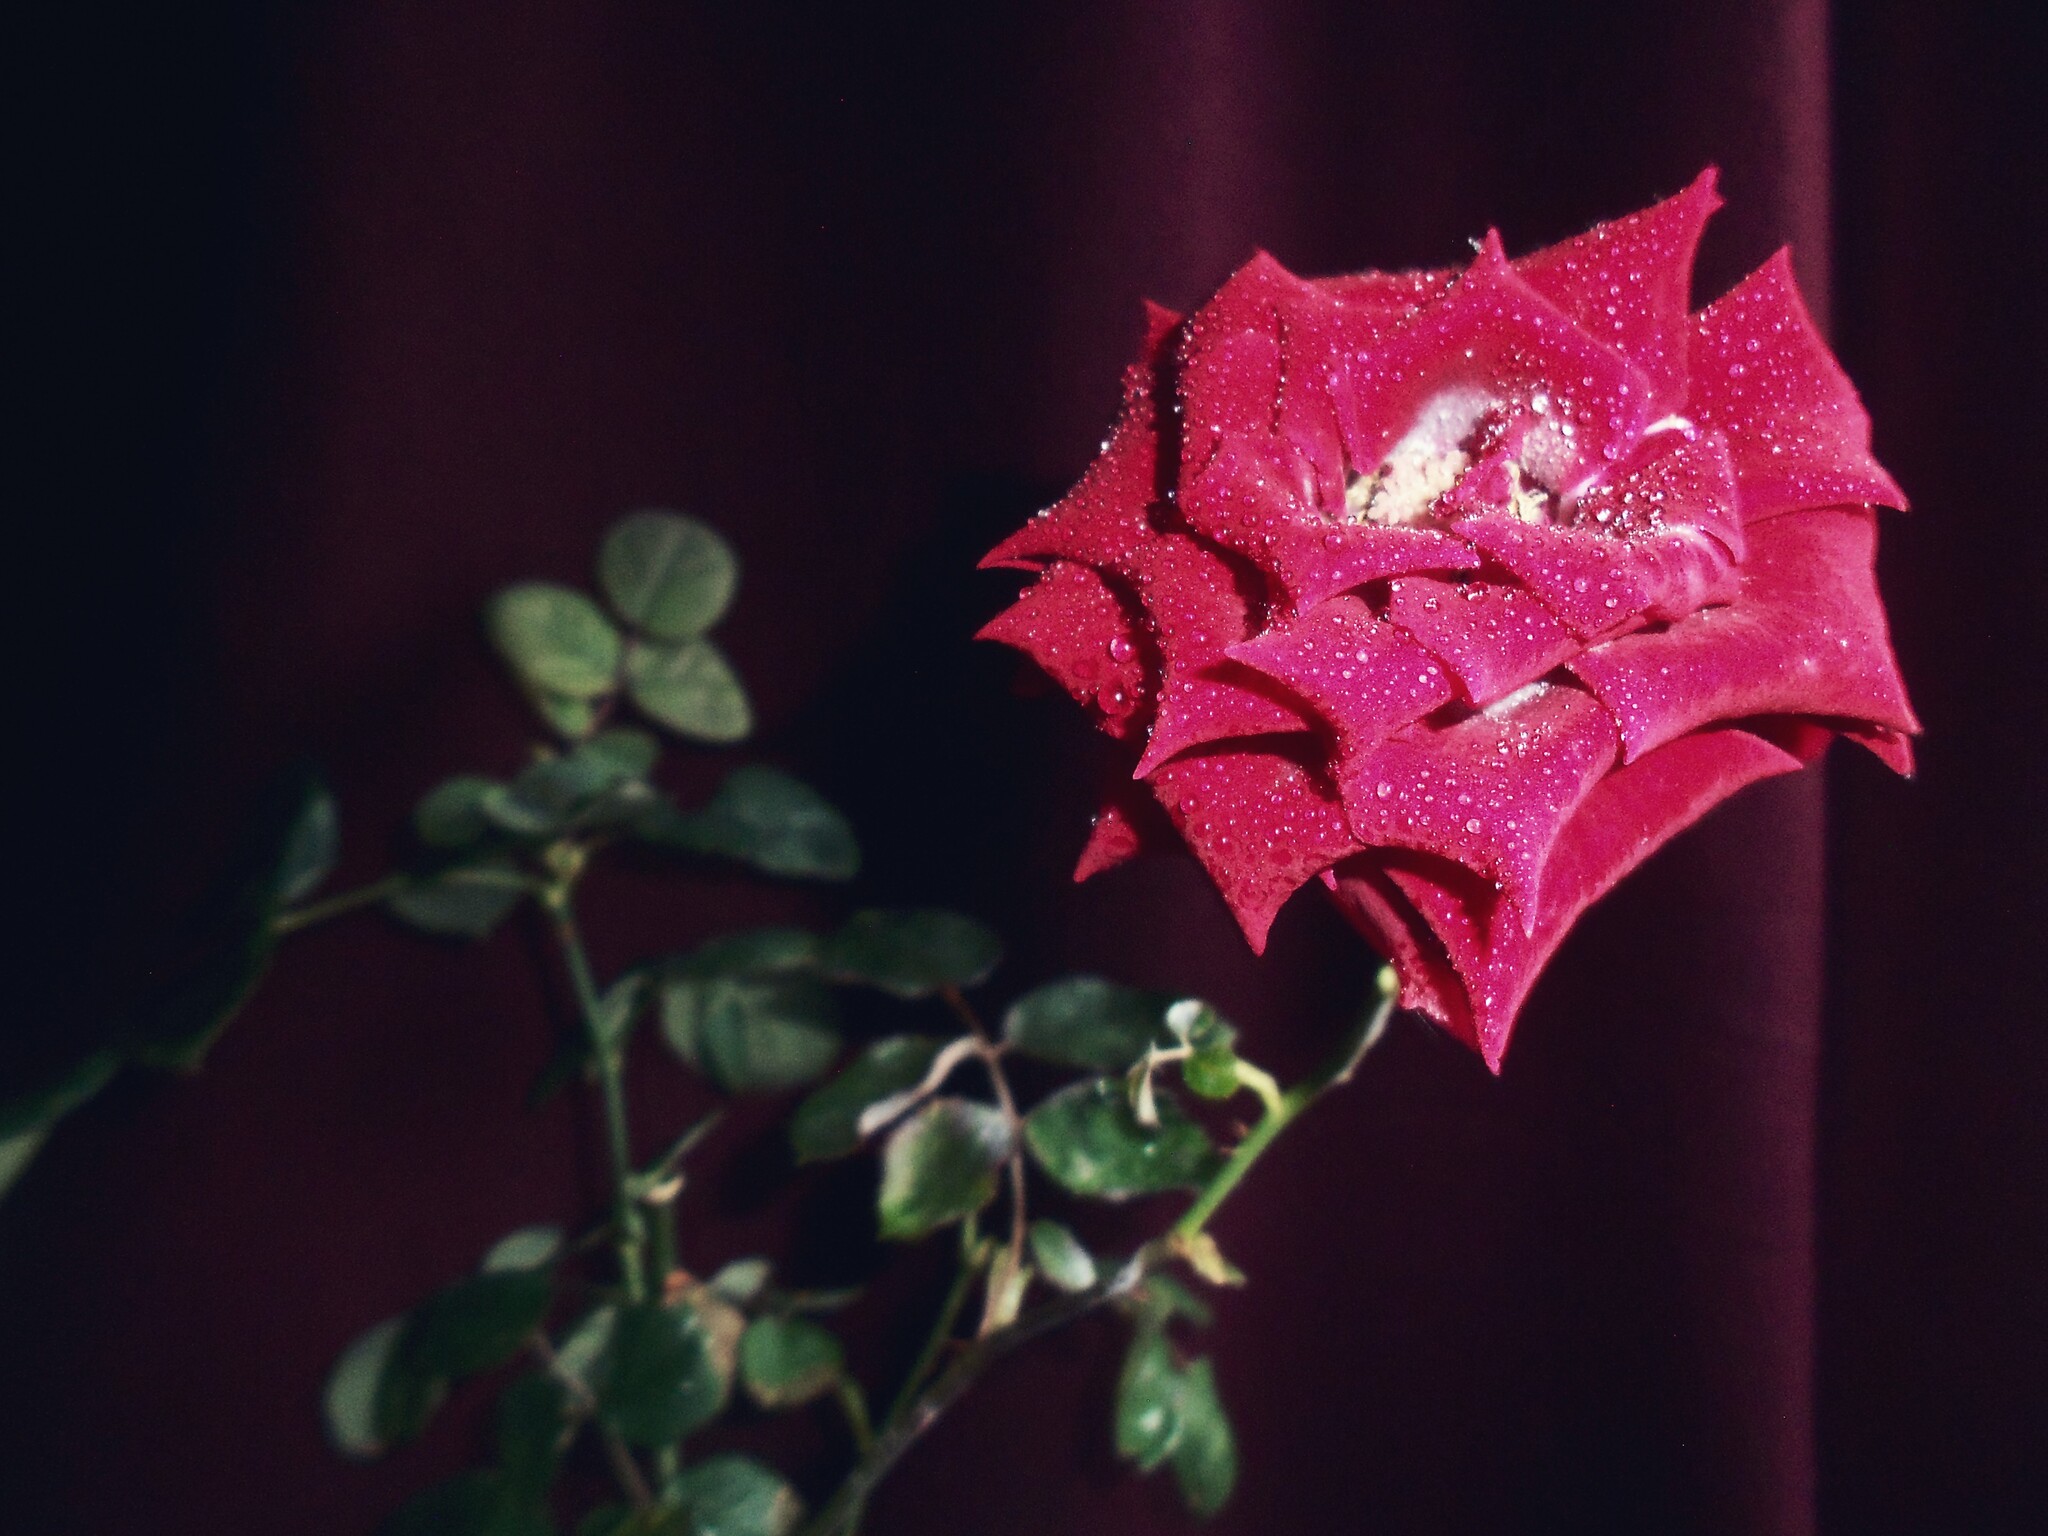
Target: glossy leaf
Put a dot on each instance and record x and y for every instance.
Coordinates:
(734, 1496)
(690, 688)
(1205, 1459)
(788, 1361)
(656, 1380)
(312, 845)
(912, 953)
(468, 901)
(1088, 1139)
(667, 574)
(752, 1036)
(742, 1281)
(1085, 1021)
(17, 1152)
(827, 1124)
(452, 814)
(766, 818)
(354, 1387)
(1148, 1401)
(755, 952)
(939, 1167)
(557, 641)
(571, 717)
(1060, 1257)
(527, 1248)
(583, 1346)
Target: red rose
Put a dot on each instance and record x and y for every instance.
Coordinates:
(1464, 591)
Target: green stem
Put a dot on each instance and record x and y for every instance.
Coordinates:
(942, 1330)
(917, 1407)
(340, 904)
(629, 1235)
(854, 1404)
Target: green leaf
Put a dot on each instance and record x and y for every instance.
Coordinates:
(468, 901)
(452, 814)
(478, 1323)
(17, 1152)
(312, 844)
(940, 1166)
(355, 1388)
(43, 1104)
(583, 1347)
(1148, 1401)
(827, 1124)
(667, 574)
(1060, 1256)
(752, 1036)
(619, 1009)
(788, 1361)
(527, 1248)
(1161, 1298)
(763, 817)
(534, 1429)
(742, 1281)
(735, 1496)
(1084, 1021)
(1205, 1460)
(1087, 1138)
(573, 718)
(756, 952)
(557, 641)
(470, 1504)
(1211, 1073)
(656, 1380)
(912, 953)
(1195, 1023)
(690, 688)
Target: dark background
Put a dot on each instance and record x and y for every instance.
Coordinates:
(340, 317)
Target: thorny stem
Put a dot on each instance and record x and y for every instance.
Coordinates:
(338, 905)
(1002, 1279)
(916, 1411)
(626, 1214)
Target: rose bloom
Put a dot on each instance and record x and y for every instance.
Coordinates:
(1460, 592)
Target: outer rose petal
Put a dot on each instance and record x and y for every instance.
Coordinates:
(1492, 792)
(1761, 373)
(1634, 812)
(1128, 824)
(1104, 518)
(1074, 627)
(1805, 636)
(1365, 677)
(1390, 923)
(1492, 637)
(1259, 823)
(1629, 282)
(1197, 612)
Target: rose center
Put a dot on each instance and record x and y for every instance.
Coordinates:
(1460, 456)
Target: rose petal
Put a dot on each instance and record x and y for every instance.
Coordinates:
(1127, 824)
(1260, 824)
(1491, 637)
(1498, 339)
(1632, 813)
(1101, 521)
(1796, 429)
(1375, 906)
(1629, 282)
(1365, 677)
(1805, 636)
(1492, 791)
(1192, 599)
(1074, 627)
(1273, 507)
